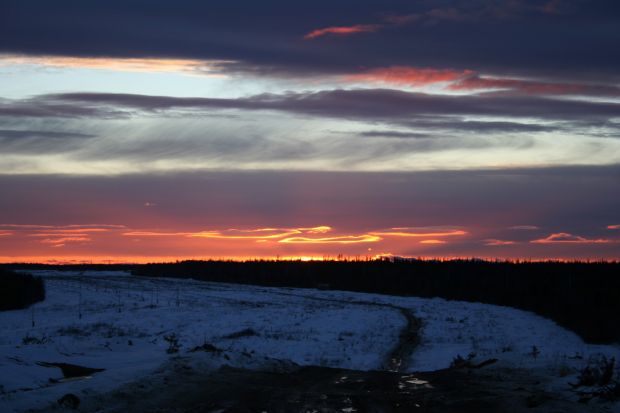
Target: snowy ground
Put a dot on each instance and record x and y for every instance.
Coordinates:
(114, 321)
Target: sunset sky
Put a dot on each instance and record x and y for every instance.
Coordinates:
(135, 131)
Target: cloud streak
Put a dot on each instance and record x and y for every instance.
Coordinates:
(37, 141)
(339, 103)
(497, 242)
(566, 238)
(472, 81)
(342, 30)
(147, 65)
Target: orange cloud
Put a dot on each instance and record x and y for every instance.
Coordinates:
(287, 235)
(263, 234)
(305, 235)
(566, 238)
(316, 230)
(345, 239)
(5, 233)
(212, 67)
(155, 234)
(432, 241)
(64, 240)
(67, 232)
(402, 75)
(419, 232)
(74, 227)
(497, 242)
(260, 234)
(342, 30)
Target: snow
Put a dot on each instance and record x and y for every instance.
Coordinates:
(118, 322)
(518, 338)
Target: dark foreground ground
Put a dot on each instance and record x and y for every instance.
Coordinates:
(319, 389)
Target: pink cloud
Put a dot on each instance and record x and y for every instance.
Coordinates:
(566, 238)
(497, 242)
(436, 15)
(64, 240)
(342, 30)
(524, 227)
(521, 85)
(402, 75)
(344, 239)
(471, 81)
(420, 232)
(613, 226)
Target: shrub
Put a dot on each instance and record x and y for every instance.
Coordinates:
(173, 343)
(19, 290)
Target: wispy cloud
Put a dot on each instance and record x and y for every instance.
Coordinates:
(59, 235)
(420, 232)
(401, 75)
(342, 30)
(72, 227)
(524, 227)
(40, 141)
(64, 240)
(472, 11)
(497, 242)
(152, 65)
(310, 235)
(259, 234)
(476, 81)
(357, 103)
(566, 238)
(252, 234)
(613, 226)
(459, 12)
(344, 239)
(472, 81)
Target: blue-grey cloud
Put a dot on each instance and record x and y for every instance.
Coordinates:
(565, 39)
(339, 103)
(40, 142)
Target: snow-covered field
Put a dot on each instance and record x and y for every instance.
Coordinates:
(114, 321)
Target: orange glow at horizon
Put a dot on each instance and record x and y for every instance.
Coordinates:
(120, 243)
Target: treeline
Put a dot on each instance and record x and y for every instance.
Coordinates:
(583, 297)
(69, 267)
(19, 290)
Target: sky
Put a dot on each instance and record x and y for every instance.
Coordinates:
(140, 131)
